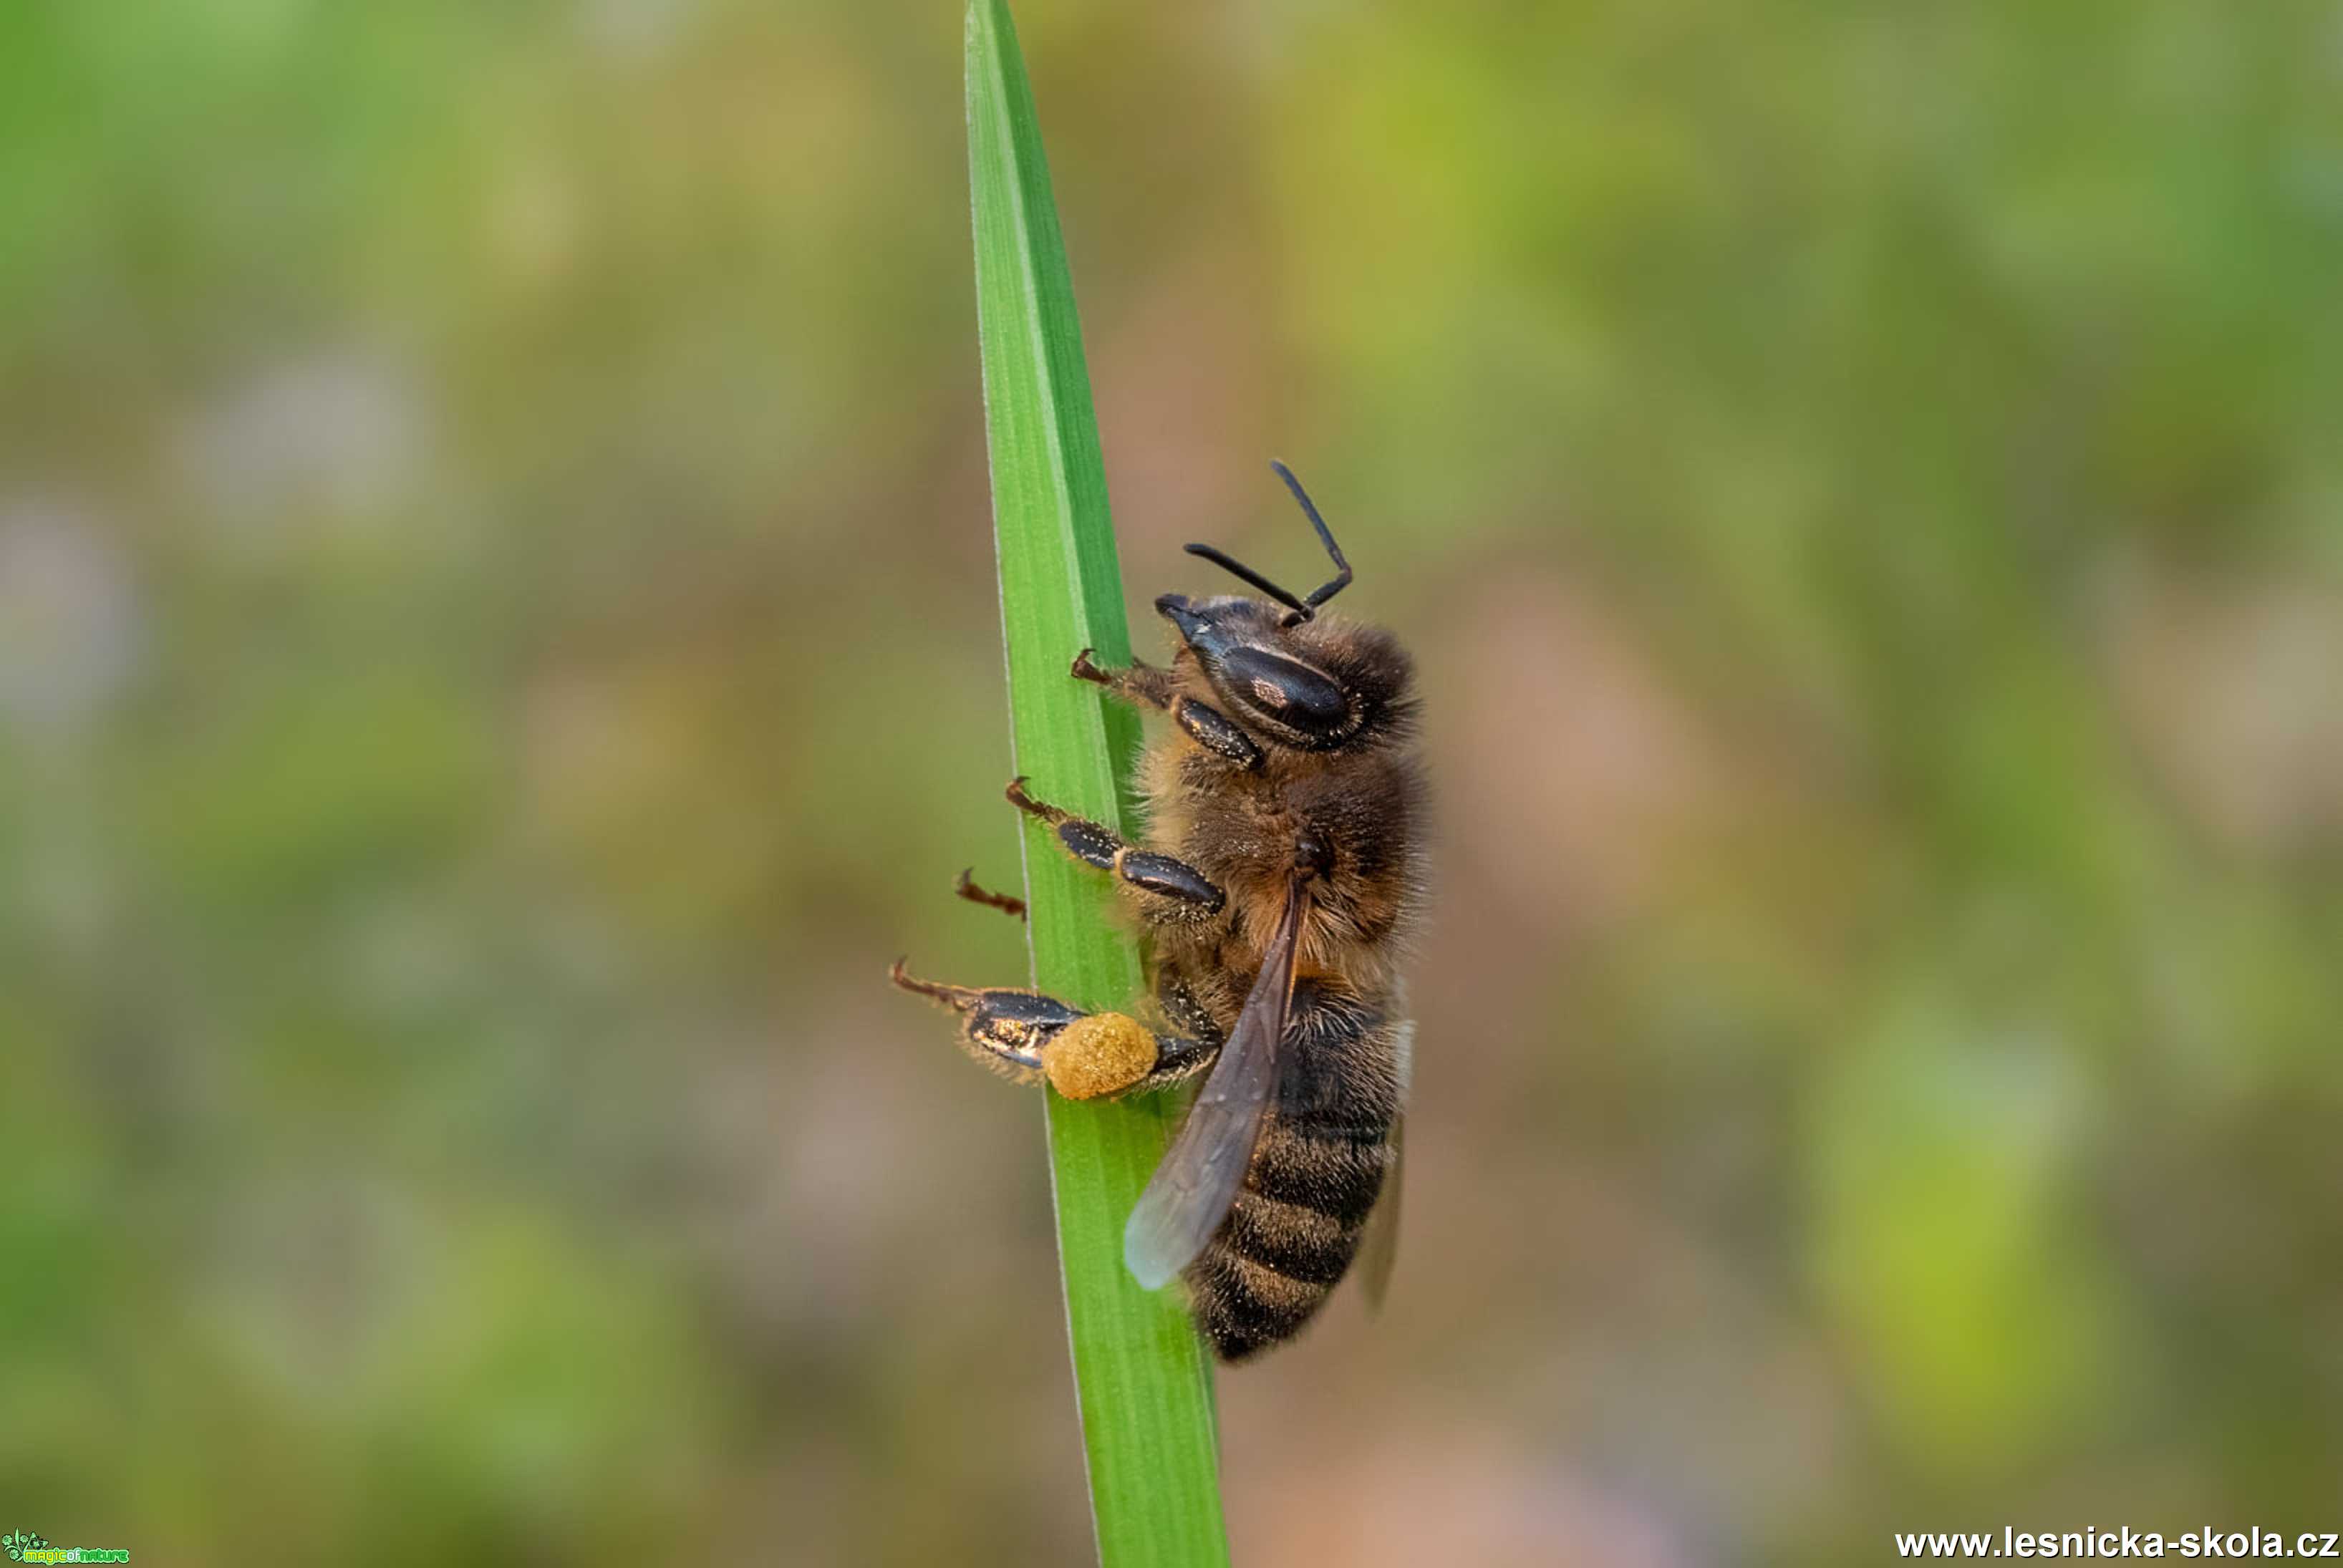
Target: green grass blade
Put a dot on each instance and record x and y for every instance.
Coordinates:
(1142, 1378)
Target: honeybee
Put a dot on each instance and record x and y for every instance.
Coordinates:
(1282, 877)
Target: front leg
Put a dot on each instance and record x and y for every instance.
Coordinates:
(1145, 685)
(1142, 684)
(1026, 1035)
(1095, 844)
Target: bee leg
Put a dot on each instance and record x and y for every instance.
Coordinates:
(1094, 844)
(1177, 1059)
(1142, 684)
(967, 889)
(1026, 1035)
(1217, 733)
(1178, 1002)
(1003, 1028)
(1191, 1051)
(1147, 686)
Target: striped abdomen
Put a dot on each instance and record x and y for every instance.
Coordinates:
(1315, 1173)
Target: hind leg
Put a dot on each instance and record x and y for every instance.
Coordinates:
(1026, 1035)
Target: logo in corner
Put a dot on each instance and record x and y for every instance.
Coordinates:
(30, 1546)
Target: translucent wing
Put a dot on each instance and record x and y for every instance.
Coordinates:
(1379, 1248)
(1192, 1191)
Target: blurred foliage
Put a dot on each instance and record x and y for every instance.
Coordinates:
(496, 652)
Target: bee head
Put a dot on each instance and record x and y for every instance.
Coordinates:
(1279, 670)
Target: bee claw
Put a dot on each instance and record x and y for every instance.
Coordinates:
(967, 889)
(959, 999)
(1085, 670)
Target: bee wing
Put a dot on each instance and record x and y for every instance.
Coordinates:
(1192, 1191)
(1379, 1248)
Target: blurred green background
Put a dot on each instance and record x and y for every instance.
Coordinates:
(497, 652)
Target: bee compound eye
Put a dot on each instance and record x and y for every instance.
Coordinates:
(1285, 689)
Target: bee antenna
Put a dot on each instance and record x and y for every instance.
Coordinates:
(1304, 609)
(1309, 510)
(1229, 563)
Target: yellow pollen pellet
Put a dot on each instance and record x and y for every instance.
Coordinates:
(1099, 1055)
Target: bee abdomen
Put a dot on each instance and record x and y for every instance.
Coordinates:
(1298, 1242)
(1335, 1168)
(1290, 1236)
(1243, 1306)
